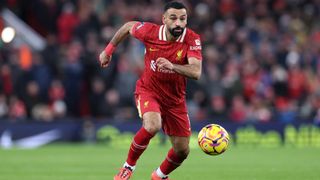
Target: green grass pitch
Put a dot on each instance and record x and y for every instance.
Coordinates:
(101, 162)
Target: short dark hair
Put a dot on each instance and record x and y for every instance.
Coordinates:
(175, 5)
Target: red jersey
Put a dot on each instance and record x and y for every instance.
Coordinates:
(167, 85)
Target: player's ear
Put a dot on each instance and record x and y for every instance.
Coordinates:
(163, 19)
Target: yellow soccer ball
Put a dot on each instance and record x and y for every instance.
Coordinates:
(213, 139)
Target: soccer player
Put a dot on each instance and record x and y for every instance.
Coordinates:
(173, 53)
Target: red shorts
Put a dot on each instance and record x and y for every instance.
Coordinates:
(175, 119)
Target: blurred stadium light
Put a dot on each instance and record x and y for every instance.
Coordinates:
(24, 33)
(7, 34)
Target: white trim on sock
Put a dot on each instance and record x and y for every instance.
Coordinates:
(128, 165)
(160, 173)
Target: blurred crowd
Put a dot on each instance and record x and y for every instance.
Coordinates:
(261, 60)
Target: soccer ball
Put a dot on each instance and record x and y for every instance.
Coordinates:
(213, 139)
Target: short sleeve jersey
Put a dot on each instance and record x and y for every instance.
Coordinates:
(167, 85)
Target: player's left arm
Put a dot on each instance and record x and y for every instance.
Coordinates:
(191, 70)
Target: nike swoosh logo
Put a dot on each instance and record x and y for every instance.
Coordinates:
(153, 49)
(33, 141)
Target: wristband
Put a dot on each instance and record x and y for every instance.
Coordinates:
(109, 49)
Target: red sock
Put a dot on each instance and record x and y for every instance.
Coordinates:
(138, 145)
(171, 162)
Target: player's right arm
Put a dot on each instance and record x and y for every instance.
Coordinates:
(121, 34)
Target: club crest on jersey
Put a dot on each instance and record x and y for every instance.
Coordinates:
(146, 104)
(179, 55)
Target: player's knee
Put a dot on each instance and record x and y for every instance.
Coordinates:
(152, 128)
(152, 122)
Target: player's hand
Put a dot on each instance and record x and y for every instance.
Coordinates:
(164, 63)
(104, 59)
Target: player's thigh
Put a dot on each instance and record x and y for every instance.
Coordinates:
(180, 145)
(175, 120)
(146, 103)
(149, 111)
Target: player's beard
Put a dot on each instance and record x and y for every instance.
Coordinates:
(175, 31)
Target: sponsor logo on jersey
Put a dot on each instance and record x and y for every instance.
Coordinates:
(194, 48)
(179, 55)
(197, 46)
(167, 71)
(153, 65)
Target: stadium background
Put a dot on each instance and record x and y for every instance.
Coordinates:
(261, 61)
(260, 81)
